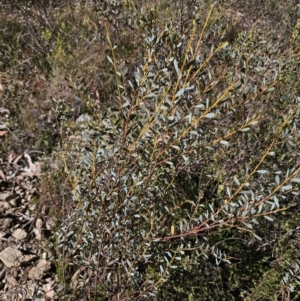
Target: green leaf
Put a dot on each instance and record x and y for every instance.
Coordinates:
(268, 218)
(262, 171)
(256, 236)
(176, 66)
(226, 143)
(110, 60)
(210, 115)
(180, 92)
(287, 187)
(161, 269)
(295, 180)
(236, 180)
(245, 130)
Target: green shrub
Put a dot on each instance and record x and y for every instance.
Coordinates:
(184, 186)
(178, 188)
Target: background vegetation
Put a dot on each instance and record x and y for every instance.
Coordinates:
(184, 182)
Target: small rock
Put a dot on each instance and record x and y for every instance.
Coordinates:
(14, 202)
(38, 271)
(20, 234)
(4, 195)
(35, 273)
(11, 256)
(38, 234)
(49, 295)
(47, 287)
(50, 223)
(39, 223)
(5, 223)
(29, 258)
(44, 264)
(4, 206)
(13, 196)
(12, 281)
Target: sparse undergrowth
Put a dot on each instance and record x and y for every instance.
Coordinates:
(184, 183)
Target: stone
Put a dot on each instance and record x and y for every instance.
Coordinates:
(4, 206)
(11, 256)
(38, 234)
(48, 286)
(5, 223)
(20, 234)
(13, 196)
(39, 223)
(38, 271)
(27, 259)
(12, 281)
(44, 264)
(50, 294)
(4, 196)
(50, 224)
(14, 202)
(17, 213)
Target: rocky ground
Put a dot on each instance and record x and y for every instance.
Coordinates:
(26, 266)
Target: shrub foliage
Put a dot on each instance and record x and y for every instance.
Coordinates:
(189, 172)
(185, 181)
